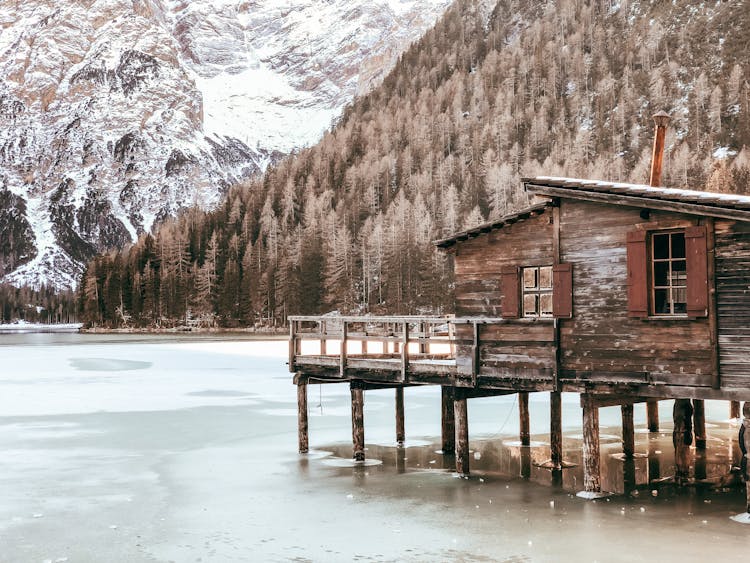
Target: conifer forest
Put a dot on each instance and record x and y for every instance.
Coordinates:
(562, 88)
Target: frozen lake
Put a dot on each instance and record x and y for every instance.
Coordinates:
(183, 448)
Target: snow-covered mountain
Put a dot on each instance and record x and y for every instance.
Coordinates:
(115, 113)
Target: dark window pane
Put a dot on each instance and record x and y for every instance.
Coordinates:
(661, 272)
(678, 245)
(661, 301)
(679, 266)
(545, 304)
(529, 278)
(545, 277)
(661, 246)
(679, 296)
(530, 305)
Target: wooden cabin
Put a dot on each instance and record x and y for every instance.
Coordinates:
(623, 293)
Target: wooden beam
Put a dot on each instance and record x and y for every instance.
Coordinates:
(342, 352)
(448, 421)
(358, 423)
(523, 416)
(462, 436)
(628, 431)
(591, 453)
(643, 202)
(302, 426)
(400, 432)
(713, 310)
(652, 415)
(404, 350)
(699, 423)
(475, 351)
(682, 437)
(555, 429)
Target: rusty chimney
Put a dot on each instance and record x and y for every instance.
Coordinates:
(661, 119)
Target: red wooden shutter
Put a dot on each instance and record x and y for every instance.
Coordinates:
(637, 274)
(562, 290)
(697, 271)
(510, 282)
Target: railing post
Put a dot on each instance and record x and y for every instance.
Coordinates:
(323, 341)
(404, 350)
(424, 346)
(292, 345)
(342, 353)
(452, 339)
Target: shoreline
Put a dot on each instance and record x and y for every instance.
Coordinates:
(278, 333)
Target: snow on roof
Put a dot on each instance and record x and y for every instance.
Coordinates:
(549, 185)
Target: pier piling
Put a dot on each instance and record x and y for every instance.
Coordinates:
(358, 422)
(628, 431)
(400, 431)
(555, 429)
(652, 415)
(302, 427)
(523, 415)
(699, 423)
(682, 437)
(591, 462)
(462, 435)
(448, 421)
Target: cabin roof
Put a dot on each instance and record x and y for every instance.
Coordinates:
(712, 204)
(531, 211)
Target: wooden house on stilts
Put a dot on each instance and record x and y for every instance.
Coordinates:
(623, 293)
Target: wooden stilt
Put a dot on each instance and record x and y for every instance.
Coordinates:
(358, 423)
(591, 467)
(555, 429)
(682, 437)
(699, 423)
(448, 421)
(302, 435)
(628, 431)
(652, 415)
(734, 409)
(462, 436)
(400, 433)
(523, 415)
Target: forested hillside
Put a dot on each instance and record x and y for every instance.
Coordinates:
(44, 305)
(488, 95)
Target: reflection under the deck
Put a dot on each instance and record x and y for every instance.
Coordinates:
(651, 467)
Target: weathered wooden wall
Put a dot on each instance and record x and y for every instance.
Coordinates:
(600, 341)
(733, 301)
(516, 349)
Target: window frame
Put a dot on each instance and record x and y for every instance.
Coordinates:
(537, 291)
(670, 287)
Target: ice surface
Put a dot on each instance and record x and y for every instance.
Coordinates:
(195, 457)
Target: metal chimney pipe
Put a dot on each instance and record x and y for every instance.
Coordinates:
(661, 119)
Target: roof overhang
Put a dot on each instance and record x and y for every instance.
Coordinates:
(485, 228)
(710, 204)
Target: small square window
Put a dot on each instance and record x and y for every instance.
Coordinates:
(537, 291)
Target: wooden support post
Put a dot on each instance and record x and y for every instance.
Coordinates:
(302, 427)
(404, 351)
(358, 422)
(462, 435)
(652, 415)
(448, 421)
(523, 416)
(475, 352)
(628, 431)
(342, 352)
(591, 467)
(555, 429)
(734, 409)
(400, 432)
(323, 341)
(682, 437)
(699, 423)
(424, 346)
(292, 345)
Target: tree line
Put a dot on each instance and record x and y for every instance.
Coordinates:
(44, 305)
(440, 146)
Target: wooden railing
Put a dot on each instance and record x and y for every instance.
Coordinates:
(396, 337)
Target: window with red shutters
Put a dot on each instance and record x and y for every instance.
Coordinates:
(510, 283)
(668, 273)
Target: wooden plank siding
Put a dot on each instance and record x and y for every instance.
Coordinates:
(733, 301)
(600, 336)
(523, 349)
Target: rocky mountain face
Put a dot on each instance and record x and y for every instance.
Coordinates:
(117, 113)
